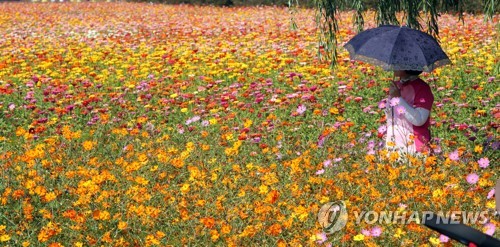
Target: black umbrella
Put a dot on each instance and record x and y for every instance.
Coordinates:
(397, 48)
(460, 232)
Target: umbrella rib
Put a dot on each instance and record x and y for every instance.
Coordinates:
(426, 66)
(393, 45)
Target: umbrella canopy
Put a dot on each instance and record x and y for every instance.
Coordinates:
(397, 48)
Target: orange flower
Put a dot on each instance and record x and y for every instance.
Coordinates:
(274, 229)
(208, 222)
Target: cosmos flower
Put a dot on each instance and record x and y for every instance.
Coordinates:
(327, 163)
(491, 194)
(489, 228)
(443, 238)
(376, 231)
(321, 238)
(454, 156)
(394, 101)
(301, 109)
(382, 104)
(400, 110)
(483, 162)
(472, 178)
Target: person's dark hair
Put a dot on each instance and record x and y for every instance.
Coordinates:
(413, 72)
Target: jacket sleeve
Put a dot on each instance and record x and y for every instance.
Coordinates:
(417, 116)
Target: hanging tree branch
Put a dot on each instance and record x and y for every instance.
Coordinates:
(327, 13)
(326, 19)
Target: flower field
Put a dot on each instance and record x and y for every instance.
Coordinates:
(127, 124)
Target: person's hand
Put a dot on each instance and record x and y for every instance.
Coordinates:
(394, 91)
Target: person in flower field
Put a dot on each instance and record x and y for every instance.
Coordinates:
(408, 113)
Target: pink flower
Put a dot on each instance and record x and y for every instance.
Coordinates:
(483, 162)
(12, 106)
(400, 110)
(301, 109)
(472, 178)
(394, 101)
(454, 155)
(321, 238)
(382, 129)
(376, 231)
(490, 229)
(366, 232)
(443, 238)
(321, 140)
(491, 194)
(319, 172)
(327, 163)
(381, 104)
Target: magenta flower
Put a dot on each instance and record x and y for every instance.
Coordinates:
(381, 104)
(472, 178)
(376, 231)
(454, 155)
(483, 162)
(321, 140)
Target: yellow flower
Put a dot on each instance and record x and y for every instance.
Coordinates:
(4, 238)
(50, 197)
(263, 189)
(399, 233)
(359, 237)
(248, 123)
(434, 241)
(151, 240)
(334, 111)
(437, 193)
(122, 225)
(88, 145)
(185, 188)
(491, 204)
(214, 235)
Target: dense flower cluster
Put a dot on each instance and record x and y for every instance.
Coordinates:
(183, 125)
